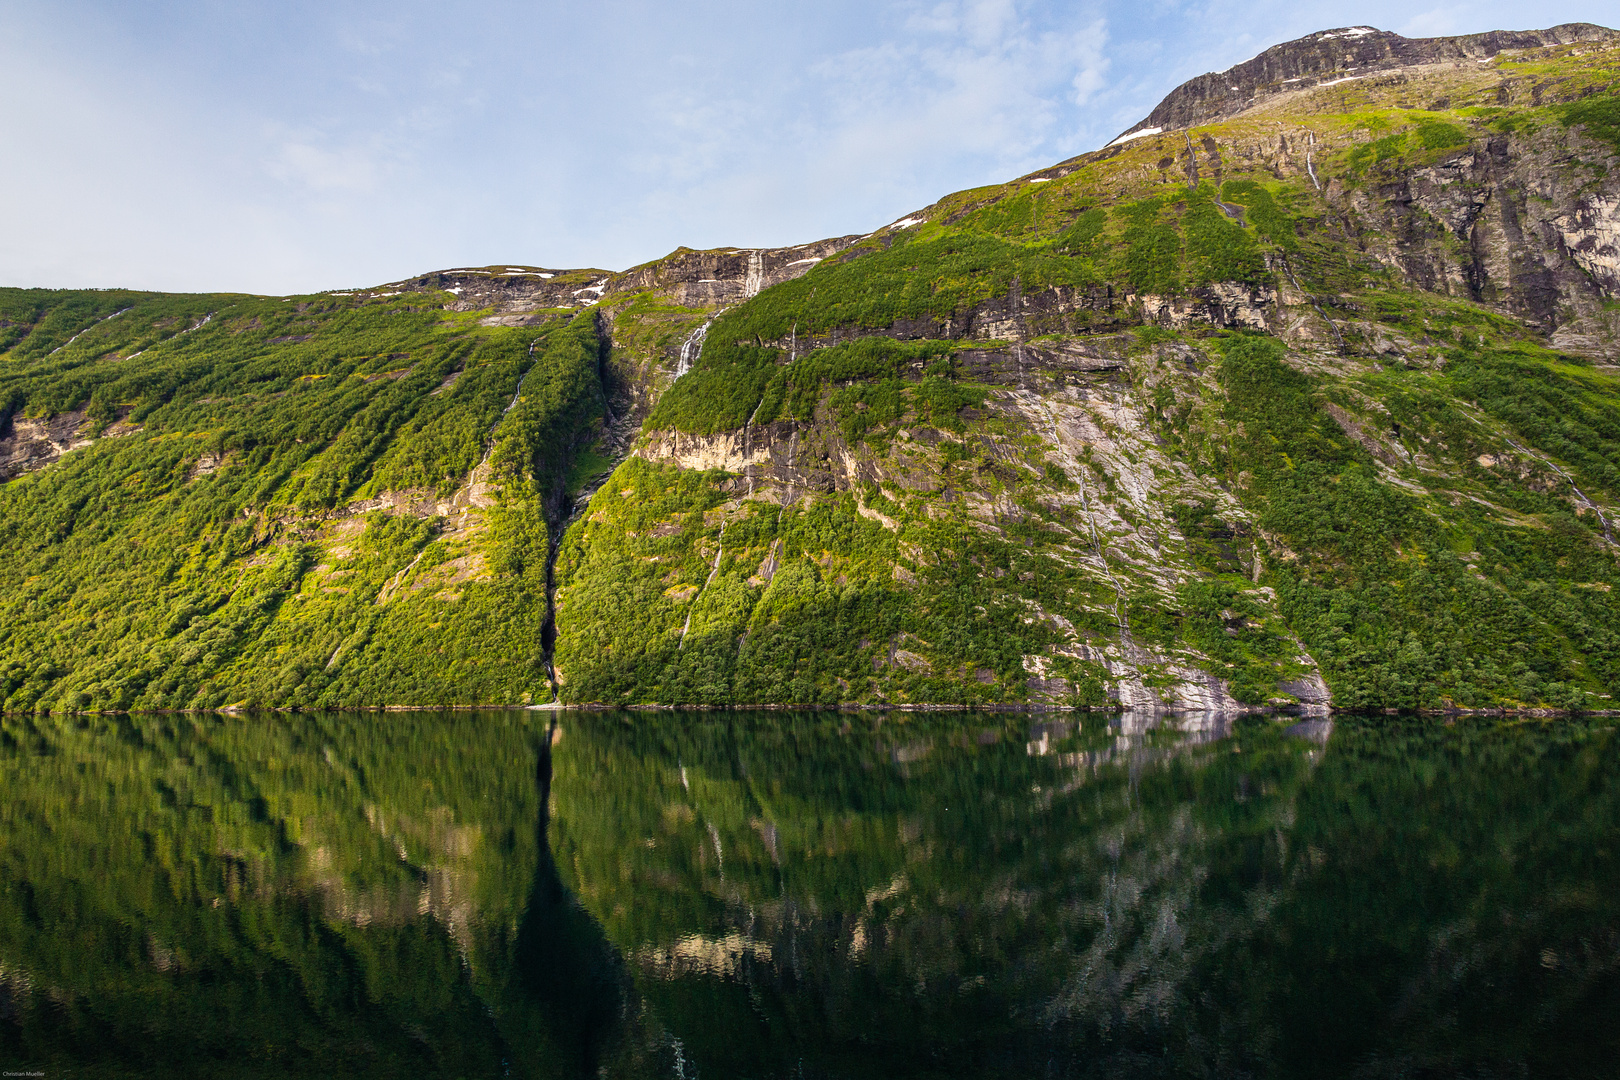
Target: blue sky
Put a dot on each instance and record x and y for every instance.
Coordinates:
(298, 146)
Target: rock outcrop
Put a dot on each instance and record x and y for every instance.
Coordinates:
(1334, 56)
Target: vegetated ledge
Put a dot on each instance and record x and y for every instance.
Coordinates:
(1292, 709)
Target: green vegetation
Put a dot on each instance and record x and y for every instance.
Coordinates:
(800, 604)
(1264, 213)
(560, 404)
(1219, 249)
(1378, 152)
(1439, 135)
(1152, 249)
(929, 277)
(1380, 596)
(225, 550)
(1082, 236)
(1599, 115)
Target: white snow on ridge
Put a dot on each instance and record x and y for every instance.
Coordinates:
(801, 262)
(1136, 135)
(1041, 180)
(906, 223)
(1336, 82)
(1353, 32)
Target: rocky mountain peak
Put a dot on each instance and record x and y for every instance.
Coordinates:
(1346, 53)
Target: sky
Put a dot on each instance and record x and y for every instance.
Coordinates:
(221, 145)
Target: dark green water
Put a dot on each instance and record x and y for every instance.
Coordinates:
(807, 895)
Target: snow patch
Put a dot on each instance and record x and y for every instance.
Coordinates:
(801, 262)
(1353, 32)
(906, 223)
(1336, 82)
(1041, 180)
(1135, 135)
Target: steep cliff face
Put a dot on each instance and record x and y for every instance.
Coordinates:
(1312, 390)
(1301, 391)
(1336, 56)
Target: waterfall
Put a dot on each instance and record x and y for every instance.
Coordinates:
(756, 274)
(692, 347)
(706, 583)
(119, 312)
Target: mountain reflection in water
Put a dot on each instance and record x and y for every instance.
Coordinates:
(807, 895)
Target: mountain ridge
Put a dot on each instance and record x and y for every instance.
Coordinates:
(1364, 50)
(1310, 403)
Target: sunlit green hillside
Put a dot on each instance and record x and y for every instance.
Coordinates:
(336, 500)
(1310, 400)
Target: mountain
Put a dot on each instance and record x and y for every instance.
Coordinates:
(1303, 390)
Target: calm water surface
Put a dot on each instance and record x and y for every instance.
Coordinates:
(808, 895)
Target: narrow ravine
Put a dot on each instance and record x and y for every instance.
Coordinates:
(560, 510)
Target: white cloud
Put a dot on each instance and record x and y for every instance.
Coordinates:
(971, 77)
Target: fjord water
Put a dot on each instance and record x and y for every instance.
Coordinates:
(811, 894)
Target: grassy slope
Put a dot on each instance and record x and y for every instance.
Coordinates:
(1467, 573)
(221, 552)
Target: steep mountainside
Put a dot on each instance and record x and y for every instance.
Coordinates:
(1302, 390)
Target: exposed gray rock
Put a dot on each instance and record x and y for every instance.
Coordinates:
(27, 445)
(1349, 52)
